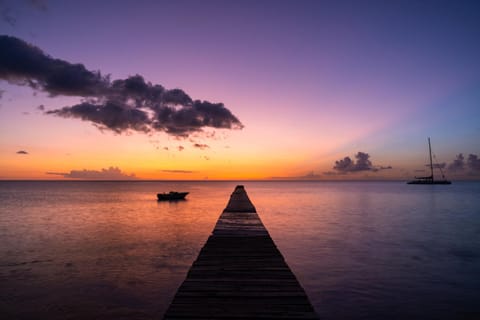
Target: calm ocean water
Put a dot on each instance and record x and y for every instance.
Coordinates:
(361, 250)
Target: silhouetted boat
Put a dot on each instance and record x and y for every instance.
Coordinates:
(430, 179)
(172, 195)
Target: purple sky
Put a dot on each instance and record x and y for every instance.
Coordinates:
(311, 81)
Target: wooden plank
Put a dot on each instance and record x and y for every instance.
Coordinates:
(240, 273)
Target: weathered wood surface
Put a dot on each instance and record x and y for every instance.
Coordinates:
(240, 273)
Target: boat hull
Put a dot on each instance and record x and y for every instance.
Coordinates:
(171, 196)
(429, 182)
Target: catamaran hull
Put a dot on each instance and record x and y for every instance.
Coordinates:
(430, 182)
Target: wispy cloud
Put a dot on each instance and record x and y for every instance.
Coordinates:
(200, 146)
(122, 105)
(309, 176)
(112, 173)
(178, 171)
(22, 152)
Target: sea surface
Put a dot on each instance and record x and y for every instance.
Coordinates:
(361, 250)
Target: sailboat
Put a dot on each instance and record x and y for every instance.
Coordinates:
(429, 179)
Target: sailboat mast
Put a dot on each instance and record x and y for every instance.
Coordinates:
(430, 179)
(430, 152)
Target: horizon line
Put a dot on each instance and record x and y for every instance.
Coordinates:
(219, 180)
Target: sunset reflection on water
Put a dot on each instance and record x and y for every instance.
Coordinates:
(96, 246)
(360, 249)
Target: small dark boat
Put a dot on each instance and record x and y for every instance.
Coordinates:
(172, 195)
(429, 179)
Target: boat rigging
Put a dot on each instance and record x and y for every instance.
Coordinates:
(430, 179)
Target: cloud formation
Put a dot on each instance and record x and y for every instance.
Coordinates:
(362, 163)
(200, 146)
(24, 64)
(122, 105)
(112, 173)
(177, 171)
(459, 165)
(309, 176)
(473, 162)
(22, 152)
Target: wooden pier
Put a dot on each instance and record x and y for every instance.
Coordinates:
(240, 273)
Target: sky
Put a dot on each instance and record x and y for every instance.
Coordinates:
(328, 90)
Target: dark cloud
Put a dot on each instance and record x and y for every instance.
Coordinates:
(111, 116)
(178, 171)
(176, 97)
(362, 163)
(22, 152)
(344, 165)
(458, 164)
(348, 165)
(193, 117)
(112, 173)
(200, 146)
(180, 148)
(41, 107)
(24, 64)
(122, 105)
(473, 162)
(57, 173)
